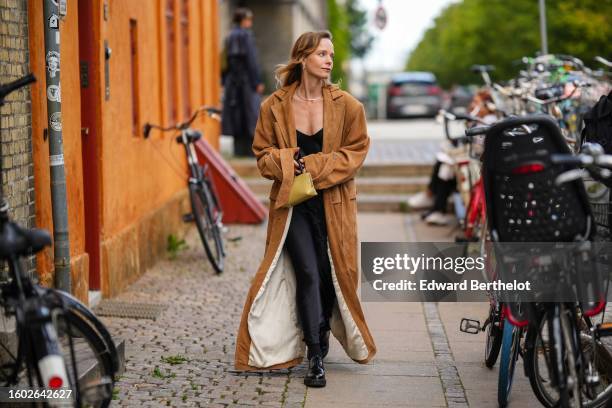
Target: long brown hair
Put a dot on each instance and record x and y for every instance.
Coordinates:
(306, 44)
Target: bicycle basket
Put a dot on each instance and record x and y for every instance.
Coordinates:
(599, 198)
(601, 214)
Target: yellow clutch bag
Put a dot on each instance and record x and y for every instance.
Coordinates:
(301, 190)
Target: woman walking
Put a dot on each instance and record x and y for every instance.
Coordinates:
(307, 282)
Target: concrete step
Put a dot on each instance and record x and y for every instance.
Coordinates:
(89, 369)
(371, 202)
(395, 170)
(365, 185)
(247, 168)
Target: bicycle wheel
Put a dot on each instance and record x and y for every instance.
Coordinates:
(596, 362)
(60, 299)
(86, 356)
(509, 354)
(494, 333)
(208, 227)
(215, 210)
(88, 360)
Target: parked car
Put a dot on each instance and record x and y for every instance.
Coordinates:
(459, 99)
(413, 94)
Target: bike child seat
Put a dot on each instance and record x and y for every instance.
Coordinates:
(523, 202)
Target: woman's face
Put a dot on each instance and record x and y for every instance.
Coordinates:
(319, 64)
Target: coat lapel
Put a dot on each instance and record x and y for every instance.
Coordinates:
(283, 114)
(333, 115)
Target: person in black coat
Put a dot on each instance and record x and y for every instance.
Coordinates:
(242, 83)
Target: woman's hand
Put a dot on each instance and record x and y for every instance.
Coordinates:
(298, 165)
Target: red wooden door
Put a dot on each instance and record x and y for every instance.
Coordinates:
(91, 100)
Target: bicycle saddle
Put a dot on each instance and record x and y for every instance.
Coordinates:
(192, 136)
(550, 92)
(16, 241)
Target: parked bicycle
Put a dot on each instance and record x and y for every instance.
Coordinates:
(565, 357)
(205, 205)
(562, 351)
(469, 201)
(60, 344)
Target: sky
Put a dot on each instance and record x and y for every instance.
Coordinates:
(407, 21)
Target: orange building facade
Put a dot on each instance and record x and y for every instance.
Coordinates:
(123, 63)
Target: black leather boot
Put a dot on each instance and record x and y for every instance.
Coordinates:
(316, 372)
(324, 342)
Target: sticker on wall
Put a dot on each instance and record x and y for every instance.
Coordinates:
(63, 7)
(55, 121)
(54, 22)
(57, 37)
(56, 160)
(53, 63)
(54, 93)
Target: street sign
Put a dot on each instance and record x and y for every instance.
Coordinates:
(380, 18)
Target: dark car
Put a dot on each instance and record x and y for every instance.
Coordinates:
(413, 94)
(459, 99)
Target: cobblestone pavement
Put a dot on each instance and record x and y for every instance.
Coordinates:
(203, 313)
(185, 357)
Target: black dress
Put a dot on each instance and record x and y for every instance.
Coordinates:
(306, 243)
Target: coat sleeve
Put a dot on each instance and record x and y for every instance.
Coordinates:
(337, 167)
(274, 163)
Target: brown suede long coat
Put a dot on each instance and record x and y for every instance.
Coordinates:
(270, 335)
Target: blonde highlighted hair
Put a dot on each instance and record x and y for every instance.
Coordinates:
(306, 44)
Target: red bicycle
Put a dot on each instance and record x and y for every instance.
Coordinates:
(470, 205)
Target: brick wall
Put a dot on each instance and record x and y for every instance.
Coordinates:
(15, 115)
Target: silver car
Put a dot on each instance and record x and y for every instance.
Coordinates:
(413, 94)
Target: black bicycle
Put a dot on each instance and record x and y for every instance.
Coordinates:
(526, 161)
(205, 204)
(61, 348)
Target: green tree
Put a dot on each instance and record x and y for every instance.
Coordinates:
(339, 27)
(500, 32)
(348, 25)
(361, 38)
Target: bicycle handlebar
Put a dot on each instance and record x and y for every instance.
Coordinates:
(460, 116)
(477, 130)
(513, 92)
(558, 98)
(211, 111)
(592, 160)
(566, 159)
(6, 89)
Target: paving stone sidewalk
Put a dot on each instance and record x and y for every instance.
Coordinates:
(185, 357)
(403, 151)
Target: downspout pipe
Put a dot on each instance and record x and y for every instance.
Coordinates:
(61, 242)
